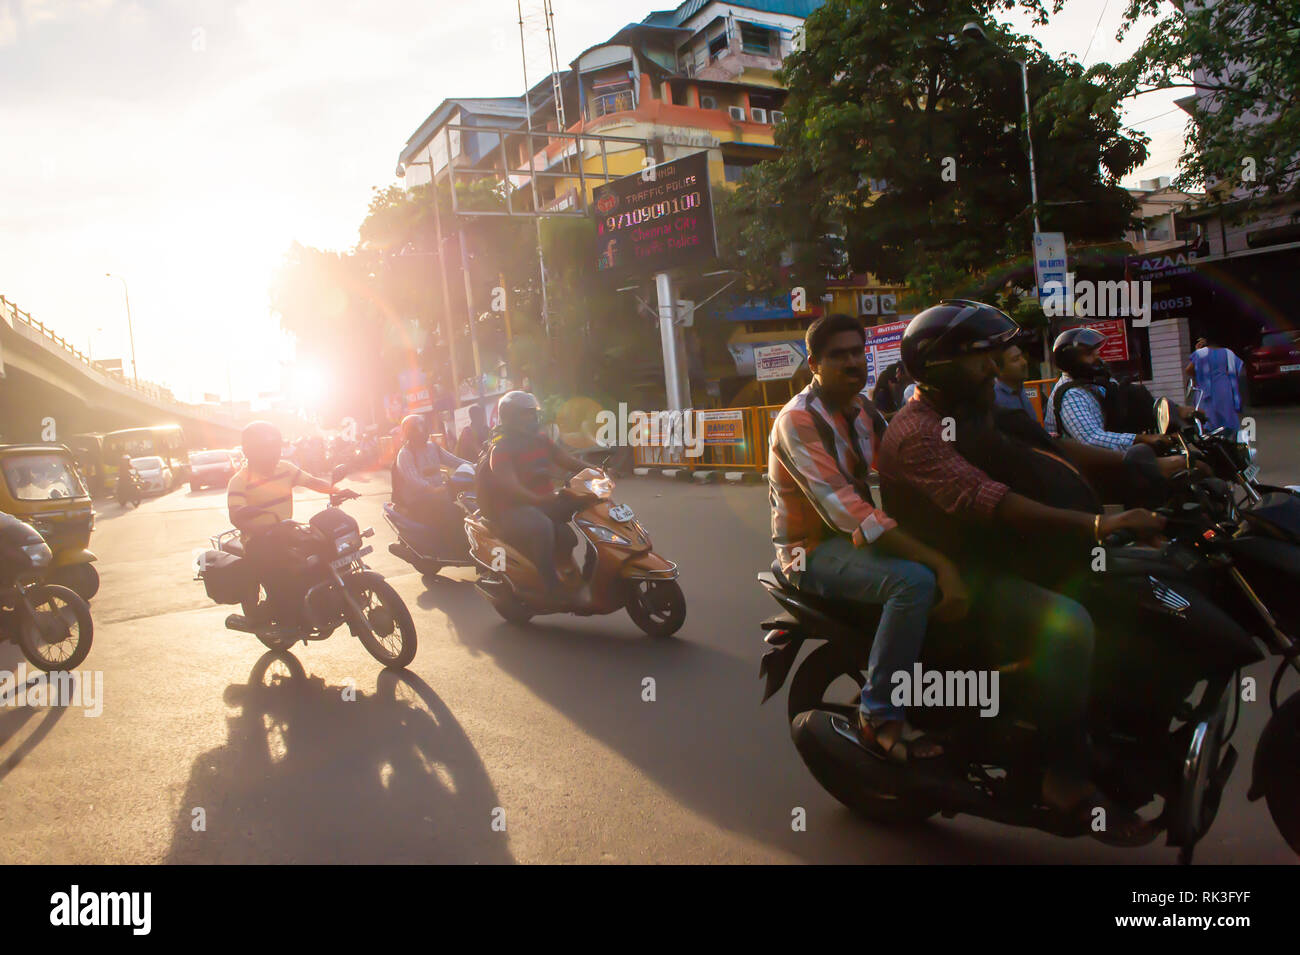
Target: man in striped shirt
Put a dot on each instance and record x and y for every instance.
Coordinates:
(832, 540)
(258, 498)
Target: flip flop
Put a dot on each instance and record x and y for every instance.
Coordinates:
(900, 748)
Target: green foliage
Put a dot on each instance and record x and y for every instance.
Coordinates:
(1243, 53)
(891, 92)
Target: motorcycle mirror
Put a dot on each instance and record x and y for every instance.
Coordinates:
(1164, 415)
(338, 474)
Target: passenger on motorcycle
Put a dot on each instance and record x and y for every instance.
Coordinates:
(419, 487)
(832, 540)
(258, 498)
(934, 464)
(516, 493)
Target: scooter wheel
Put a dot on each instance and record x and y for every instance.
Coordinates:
(658, 607)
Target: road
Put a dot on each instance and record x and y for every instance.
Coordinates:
(209, 750)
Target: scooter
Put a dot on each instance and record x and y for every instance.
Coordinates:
(1175, 625)
(51, 624)
(128, 489)
(619, 565)
(340, 589)
(420, 545)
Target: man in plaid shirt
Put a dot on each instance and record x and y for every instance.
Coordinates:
(832, 540)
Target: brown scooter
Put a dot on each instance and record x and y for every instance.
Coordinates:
(619, 566)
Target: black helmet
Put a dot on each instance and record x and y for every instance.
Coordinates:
(260, 435)
(518, 412)
(953, 328)
(1070, 344)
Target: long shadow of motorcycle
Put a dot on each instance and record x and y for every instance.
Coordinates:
(324, 773)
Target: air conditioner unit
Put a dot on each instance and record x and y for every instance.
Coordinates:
(869, 304)
(888, 304)
(737, 113)
(708, 102)
(776, 116)
(758, 115)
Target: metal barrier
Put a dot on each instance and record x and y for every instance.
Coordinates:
(737, 449)
(1038, 390)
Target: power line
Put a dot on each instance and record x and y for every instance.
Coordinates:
(1139, 122)
(1094, 33)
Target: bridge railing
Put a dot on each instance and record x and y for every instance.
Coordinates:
(16, 316)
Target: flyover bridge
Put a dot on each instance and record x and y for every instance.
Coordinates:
(49, 390)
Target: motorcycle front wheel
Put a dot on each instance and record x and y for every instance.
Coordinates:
(54, 628)
(385, 629)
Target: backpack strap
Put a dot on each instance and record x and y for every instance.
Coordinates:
(1060, 397)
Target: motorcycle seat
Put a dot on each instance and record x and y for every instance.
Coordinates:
(233, 546)
(844, 613)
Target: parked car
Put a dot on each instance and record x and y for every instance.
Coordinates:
(211, 469)
(153, 474)
(1274, 367)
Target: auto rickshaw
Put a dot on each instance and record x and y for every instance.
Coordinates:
(41, 486)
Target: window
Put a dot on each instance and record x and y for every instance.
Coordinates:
(734, 171)
(717, 46)
(755, 39)
(612, 103)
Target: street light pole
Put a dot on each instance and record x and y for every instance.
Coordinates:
(135, 374)
(974, 31)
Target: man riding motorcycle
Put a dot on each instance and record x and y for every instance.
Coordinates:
(258, 498)
(419, 487)
(935, 463)
(1089, 405)
(516, 492)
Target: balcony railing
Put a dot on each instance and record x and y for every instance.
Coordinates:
(619, 102)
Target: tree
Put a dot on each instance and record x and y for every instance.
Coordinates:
(1242, 55)
(906, 142)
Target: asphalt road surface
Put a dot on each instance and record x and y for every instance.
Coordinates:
(500, 744)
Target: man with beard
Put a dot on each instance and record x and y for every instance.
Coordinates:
(946, 475)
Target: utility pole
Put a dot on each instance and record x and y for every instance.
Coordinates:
(532, 172)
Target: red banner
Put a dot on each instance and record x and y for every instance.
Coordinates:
(1115, 347)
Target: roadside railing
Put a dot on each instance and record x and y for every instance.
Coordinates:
(730, 438)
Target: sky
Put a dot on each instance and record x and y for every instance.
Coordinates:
(185, 144)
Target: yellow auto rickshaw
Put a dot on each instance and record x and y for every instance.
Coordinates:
(39, 484)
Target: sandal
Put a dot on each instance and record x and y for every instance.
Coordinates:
(907, 744)
(1123, 828)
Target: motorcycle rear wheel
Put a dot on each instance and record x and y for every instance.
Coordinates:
(820, 670)
(55, 617)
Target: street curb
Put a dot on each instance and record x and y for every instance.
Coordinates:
(705, 477)
(710, 476)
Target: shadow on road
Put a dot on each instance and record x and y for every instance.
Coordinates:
(13, 716)
(310, 776)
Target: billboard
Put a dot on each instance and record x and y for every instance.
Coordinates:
(657, 219)
(883, 342)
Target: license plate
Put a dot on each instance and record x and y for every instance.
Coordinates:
(1251, 472)
(621, 512)
(1286, 368)
(349, 558)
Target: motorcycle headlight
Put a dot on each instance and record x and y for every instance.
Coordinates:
(346, 543)
(604, 534)
(39, 554)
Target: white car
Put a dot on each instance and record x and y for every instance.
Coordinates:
(154, 475)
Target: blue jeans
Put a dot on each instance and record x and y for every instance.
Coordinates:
(906, 590)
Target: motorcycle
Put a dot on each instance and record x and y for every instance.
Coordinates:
(128, 489)
(419, 544)
(51, 624)
(339, 588)
(619, 565)
(1175, 625)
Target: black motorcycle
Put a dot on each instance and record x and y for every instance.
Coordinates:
(128, 489)
(51, 624)
(1175, 625)
(326, 555)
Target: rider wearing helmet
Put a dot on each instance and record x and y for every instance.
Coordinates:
(258, 498)
(935, 463)
(419, 486)
(516, 491)
(1087, 404)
